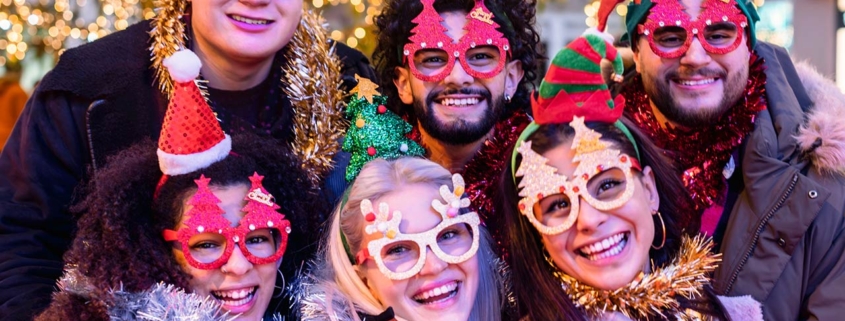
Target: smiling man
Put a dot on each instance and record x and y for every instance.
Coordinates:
(757, 140)
(107, 95)
(459, 71)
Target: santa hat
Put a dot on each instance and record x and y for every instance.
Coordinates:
(191, 137)
(574, 86)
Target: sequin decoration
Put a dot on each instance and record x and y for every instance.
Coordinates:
(375, 134)
(430, 34)
(189, 124)
(672, 12)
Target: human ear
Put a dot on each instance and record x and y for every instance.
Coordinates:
(513, 76)
(650, 188)
(402, 80)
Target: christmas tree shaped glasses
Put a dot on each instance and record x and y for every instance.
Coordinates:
(208, 239)
(431, 55)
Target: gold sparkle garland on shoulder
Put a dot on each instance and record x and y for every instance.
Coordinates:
(167, 37)
(653, 294)
(312, 75)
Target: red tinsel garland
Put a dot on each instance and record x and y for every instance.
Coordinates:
(702, 151)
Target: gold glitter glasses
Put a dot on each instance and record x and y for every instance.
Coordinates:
(603, 179)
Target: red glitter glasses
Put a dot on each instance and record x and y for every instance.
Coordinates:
(670, 30)
(431, 54)
(208, 239)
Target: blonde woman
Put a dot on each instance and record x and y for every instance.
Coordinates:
(403, 245)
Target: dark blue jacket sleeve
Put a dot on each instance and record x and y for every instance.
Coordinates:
(41, 165)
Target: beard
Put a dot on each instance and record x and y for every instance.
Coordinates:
(459, 132)
(691, 116)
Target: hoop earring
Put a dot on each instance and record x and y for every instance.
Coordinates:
(664, 232)
(507, 98)
(280, 288)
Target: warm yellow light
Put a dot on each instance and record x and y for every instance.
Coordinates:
(622, 10)
(317, 3)
(352, 42)
(12, 48)
(360, 32)
(337, 35)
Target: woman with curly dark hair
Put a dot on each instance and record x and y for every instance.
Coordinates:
(194, 213)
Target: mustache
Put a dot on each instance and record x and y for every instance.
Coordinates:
(704, 72)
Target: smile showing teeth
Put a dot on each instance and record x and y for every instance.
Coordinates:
(605, 248)
(250, 21)
(459, 102)
(696, 82)
(437, 294)
(235, 297)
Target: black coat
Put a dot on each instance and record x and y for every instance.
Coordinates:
(98, 100)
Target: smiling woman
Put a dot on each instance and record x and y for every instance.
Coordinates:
(593, 212)
(193, 213)
(400, 247)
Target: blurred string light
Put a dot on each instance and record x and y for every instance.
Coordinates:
(47, 26)
(350, 21)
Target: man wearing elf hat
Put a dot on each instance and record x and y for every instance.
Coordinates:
(267, 66)
(761, 145)
(458, 71)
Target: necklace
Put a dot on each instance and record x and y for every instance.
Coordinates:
(654, 294)
(702, 151)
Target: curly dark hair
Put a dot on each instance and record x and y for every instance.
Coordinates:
(393, 28)
(119, 242)
(544, 299)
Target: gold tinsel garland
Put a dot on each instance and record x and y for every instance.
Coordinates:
(312, 75)
(653, 294)
(167, 36)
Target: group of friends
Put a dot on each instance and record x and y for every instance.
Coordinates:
(225, 160)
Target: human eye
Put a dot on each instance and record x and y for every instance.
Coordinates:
(670, 37)
(257, 239)
(556, 205)
(397, 250)
(608, 184)
(205, 245)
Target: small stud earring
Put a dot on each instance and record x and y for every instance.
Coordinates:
(507, 98)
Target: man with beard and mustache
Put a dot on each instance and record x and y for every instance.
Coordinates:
(459, 72)
(760, 146)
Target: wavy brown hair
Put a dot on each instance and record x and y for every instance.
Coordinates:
(393, 28)
(119, 239)
(544, 299)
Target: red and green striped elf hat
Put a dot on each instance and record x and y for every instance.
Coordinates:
(574, 86)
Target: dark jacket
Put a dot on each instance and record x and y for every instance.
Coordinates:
(784, 240)
(98, 100)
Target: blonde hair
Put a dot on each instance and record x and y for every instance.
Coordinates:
(376, 180)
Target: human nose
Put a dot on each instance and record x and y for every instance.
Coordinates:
(696, 56)
(589, 218)
(433, 265)
(237, 264)
(459, 76)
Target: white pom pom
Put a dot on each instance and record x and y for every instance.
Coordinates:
(184, 66)
(604, 35)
